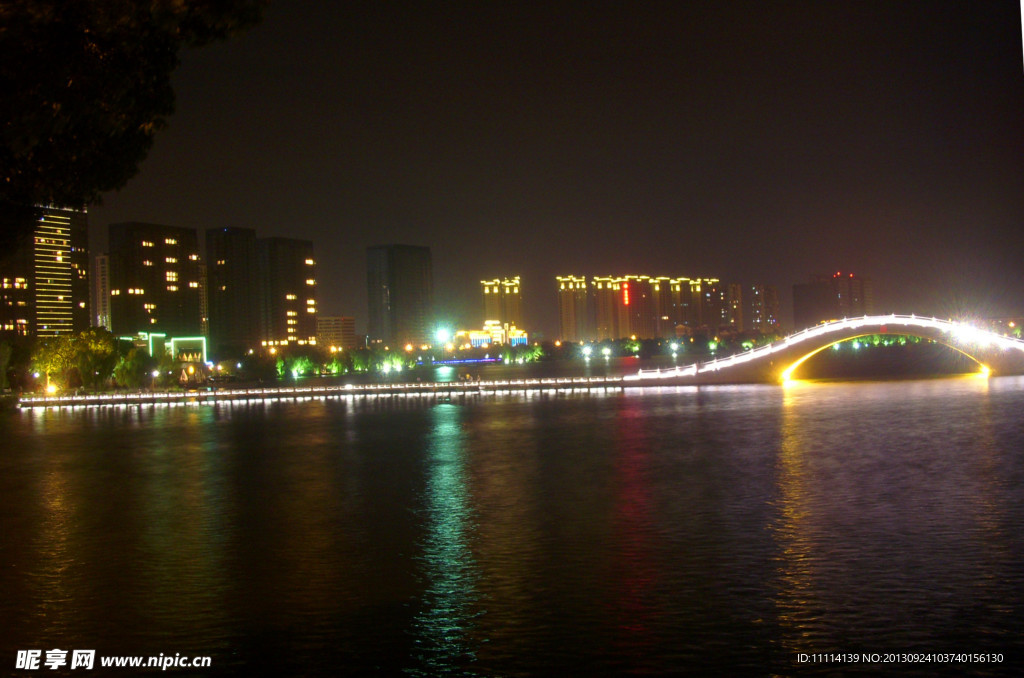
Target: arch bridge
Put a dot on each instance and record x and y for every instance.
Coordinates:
(776, 362)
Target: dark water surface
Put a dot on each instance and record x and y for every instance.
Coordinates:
(715, 530)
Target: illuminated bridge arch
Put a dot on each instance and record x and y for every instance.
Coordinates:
(775, 362)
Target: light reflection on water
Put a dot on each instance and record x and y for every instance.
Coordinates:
(651, 531)
(446, 619)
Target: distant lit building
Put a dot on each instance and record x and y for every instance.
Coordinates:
(493, 333)
(575, 309)
(611, 307)
(706, 304)
(834, 297)
(204, 301)
(644, 307)
(337, 331)
(503, 300)
(101, 291)
(44, 279)
(154, 280)
(288, 302)
(400, 288)
(732, 314)
(762, 304)
(233, 289)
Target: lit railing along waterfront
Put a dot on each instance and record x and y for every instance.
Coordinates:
(453, 388)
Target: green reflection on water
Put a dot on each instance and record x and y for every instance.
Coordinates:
(446, 618)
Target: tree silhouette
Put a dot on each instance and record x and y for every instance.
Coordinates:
(87, 85)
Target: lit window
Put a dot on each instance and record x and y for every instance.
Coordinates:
(172, 276)
(172, 288)
(170, 241)
(147, 262)
(193, 284)
(193, 257)
(309, 262)
(311, 302)
(290, 297)
(146, 243)
(291, 313)
(310, 281)
(171, 260)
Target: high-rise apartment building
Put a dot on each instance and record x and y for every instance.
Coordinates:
(611, 308)
(833, 297)
(44, 280)
(503, 301)
(336, 331)
(732, 314)
(288, 303)
(154, 280)
(645, 307)
(233, 291)
(400, 287)
(706, 302)
(101, 291)
(762, 304)
(575, 310)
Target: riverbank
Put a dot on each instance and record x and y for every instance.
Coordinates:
(211, 395)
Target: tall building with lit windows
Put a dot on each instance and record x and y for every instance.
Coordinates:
(336, 332)
(732, 307)
(154, 280)
(44, 280)
(288, 299)
(232, 291)
(400, 288)
(575, 309)
(706, 304)
(762, 304)
(503, 301)
(611, 307)
(100, 299)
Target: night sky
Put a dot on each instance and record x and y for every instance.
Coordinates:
(753, 142)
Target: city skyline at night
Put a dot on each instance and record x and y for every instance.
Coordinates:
(758, 143)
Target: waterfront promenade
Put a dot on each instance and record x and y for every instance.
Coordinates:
(435, 389)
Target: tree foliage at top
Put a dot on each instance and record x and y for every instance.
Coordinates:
(86, 86)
